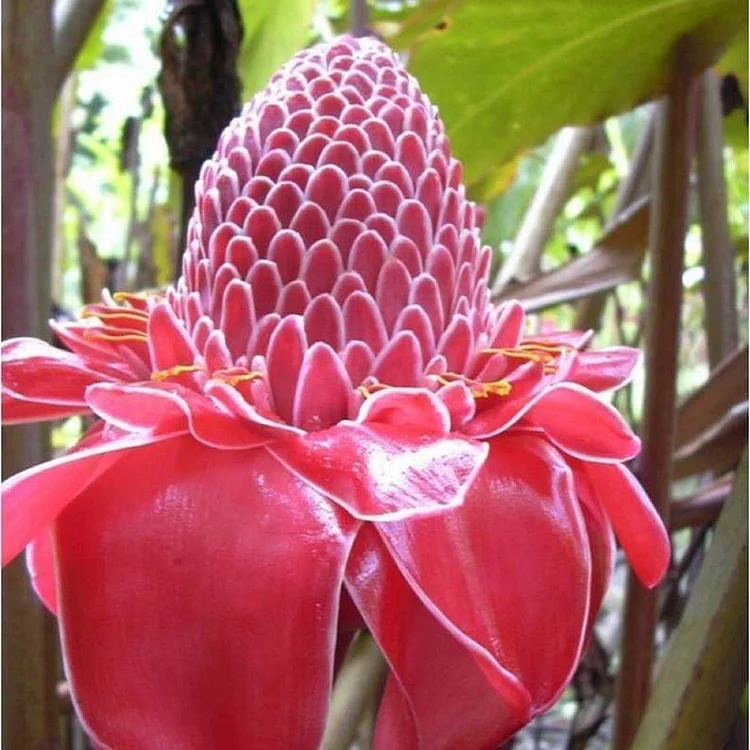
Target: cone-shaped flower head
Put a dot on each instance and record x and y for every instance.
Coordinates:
(325, 425)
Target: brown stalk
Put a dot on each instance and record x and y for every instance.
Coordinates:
(199, 48)
(29, 661)
(726, 387)
(634, 186)
(539, 222)
(359, 17)
(718, 253)
(617, 257)
(718, 449)
(672, 151)
(701, 508)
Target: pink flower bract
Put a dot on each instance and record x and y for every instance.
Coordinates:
(325, 410)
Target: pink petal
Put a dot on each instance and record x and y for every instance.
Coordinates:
(363, 321)
(400, 363)
(581, 425)
(513, 573)
(168, 341)
(285, 352)
(392, 292)
(166, 568)
(159, 408)
(508, 326)
(445, 691)
(378, 471)
(459, 401)
(325, 322)
(33, 499)
(415, 407)
(323, 390)
(638, 526)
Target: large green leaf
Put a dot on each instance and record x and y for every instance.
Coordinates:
(508, 73)
(274, 31)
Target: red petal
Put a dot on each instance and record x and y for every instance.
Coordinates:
(384, 472)
(511, 569)
(167, 566)
(35, 497)
(638, 526)
(40, 562)
(158, 408)
(51, 381)
(18, 411)
(604, 369)
(601, 543)
(581, 425)
(445, 691)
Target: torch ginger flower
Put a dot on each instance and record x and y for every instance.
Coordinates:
(324, 426)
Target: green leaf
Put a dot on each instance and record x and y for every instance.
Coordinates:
(94, 45)
(274, 31)
(736, 59)
(505, 75)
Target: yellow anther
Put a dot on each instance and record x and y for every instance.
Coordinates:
(556, 349)
(477, 388)
(174, 371)
(127, 314)
(235, 380)
(127, 296)
(368, 390)
(132, 336)
(499, 387)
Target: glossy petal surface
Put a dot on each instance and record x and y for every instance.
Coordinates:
(445, 691)
(209, 664)
(382, 472)
(32, 499)
(636, 523)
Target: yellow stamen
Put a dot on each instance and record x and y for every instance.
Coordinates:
(174, 371)
(543, 353)
(131, 336)
(556, 349)
(497, 388)
(127, 296)
(477, 388)
(127, 313)
(368, 390)
(235, 380)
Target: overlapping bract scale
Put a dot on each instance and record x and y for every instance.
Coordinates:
(334, 197)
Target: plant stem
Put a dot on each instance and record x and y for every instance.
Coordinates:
(672, 150)
(358, 683)
(359, 17)
(704, 671)
(718, 253)
(549, 199)
(635, 185)
(73, 21)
